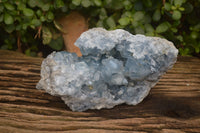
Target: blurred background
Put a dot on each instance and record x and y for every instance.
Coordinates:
(38, 27)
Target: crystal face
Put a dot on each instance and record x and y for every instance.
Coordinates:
(116, 67)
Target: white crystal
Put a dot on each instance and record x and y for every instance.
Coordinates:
(116, 67)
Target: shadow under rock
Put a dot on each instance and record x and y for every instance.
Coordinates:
(154, 106)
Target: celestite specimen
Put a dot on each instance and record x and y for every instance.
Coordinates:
(116, 67)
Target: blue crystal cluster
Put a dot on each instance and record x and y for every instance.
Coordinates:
(116, 67)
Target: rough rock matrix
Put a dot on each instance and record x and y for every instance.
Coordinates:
(116, 67)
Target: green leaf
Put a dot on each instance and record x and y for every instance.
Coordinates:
(107, 2)
(188, 8)
(24, 26)
(156, 15)
(194, 35)
(176, 15)
(86, 3)
(21, 6)
(9, 6)
(27, 52)
(180, 38)
(76, 2)
(173, 7)
(124, 21)
(1, 8)
(174, 30)
(24, 39)
(181, 9)
(31, 51)
(42, 19)
(138, 5)
(59, 3)
(167, 6)
(57, 44)
(8, 19)
(46, 7)
(46, 35)
(40, 3)
(18, 27)
(17, 2)
(197, 49)
(18, 18)
(126, 14)
(138, 16)
(135, 24)
(178, 2)
(176, 23)
(3, 0)
(98, 2)
(163, 27)
(28, 12)
(184, 51)
(14, 13)
(95, 13)
(128, 5)
(195, 27)
(32, 3)
(64, 8)
(36, 22)
(10, 28)
(100, 23)
(146, 19)
(115, 4)
(149, 28)
(72, 6)
(110, 22)
(1, 17)
(32, 26)
(50, 16)
(126, 2)
(103, 13)
(149, 34)
(147, 3)
(39, 13)
(139, 30)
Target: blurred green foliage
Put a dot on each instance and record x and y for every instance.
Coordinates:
(22, 21)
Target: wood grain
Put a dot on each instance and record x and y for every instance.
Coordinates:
(173, 105)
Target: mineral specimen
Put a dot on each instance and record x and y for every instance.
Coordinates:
(116, 67)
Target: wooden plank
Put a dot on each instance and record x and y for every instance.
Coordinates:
(173, 105)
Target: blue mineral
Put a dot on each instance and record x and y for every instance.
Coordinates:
(116, 67)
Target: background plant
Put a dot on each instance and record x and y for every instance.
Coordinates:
(22, 22)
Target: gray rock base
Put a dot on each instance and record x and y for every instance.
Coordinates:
(116, 67)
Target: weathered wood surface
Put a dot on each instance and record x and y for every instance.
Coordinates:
(173, 105)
